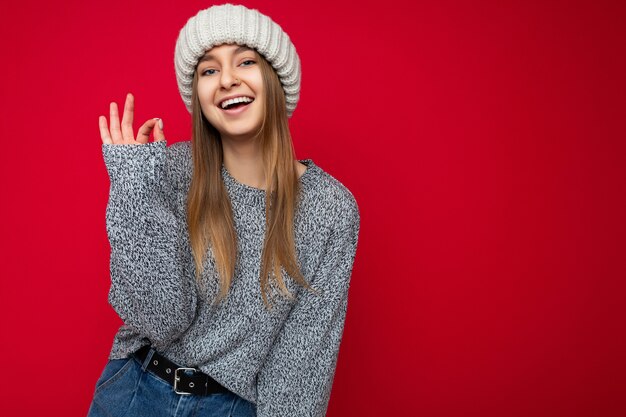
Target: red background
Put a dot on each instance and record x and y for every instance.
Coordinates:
(483, 141)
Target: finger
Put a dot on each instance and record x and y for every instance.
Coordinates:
(158, 131)
(127, 119)
(104, 131)
(143, 135)
(116, 134)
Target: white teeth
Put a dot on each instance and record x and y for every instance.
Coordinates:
(226, 103)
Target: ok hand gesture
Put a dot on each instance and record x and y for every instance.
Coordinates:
(126, 135)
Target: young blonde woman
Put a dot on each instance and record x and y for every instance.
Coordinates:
(230, 259)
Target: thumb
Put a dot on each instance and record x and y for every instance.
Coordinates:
(158, 131)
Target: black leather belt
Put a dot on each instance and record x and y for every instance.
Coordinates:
(186, 381)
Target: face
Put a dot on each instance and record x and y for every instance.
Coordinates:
(218, 72)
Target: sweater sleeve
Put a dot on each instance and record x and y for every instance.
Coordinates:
(145, 226)
(297, 376)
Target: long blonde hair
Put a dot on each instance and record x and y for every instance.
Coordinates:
(209, 210)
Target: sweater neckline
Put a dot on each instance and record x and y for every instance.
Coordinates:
(256, 195)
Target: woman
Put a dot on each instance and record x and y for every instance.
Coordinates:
(230, 259)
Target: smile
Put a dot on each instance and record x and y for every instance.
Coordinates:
(237, 109)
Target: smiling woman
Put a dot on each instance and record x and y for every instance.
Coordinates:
(228, 109)
(230, 259)
(228, 132)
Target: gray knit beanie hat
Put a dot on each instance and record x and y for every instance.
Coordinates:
(236, 24)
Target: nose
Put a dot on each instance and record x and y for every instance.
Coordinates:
(228, 78)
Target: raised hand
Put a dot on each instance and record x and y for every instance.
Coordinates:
(125, 135)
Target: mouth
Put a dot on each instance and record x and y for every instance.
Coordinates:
(237, 107)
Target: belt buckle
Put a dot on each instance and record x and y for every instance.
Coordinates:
(177, 379)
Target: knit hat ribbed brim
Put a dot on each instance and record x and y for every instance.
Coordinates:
(236, 24)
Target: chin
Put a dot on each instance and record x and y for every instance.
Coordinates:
(239, 132)
(238, 128)
(245, 125)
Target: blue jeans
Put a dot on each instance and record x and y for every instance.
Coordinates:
(126, 389)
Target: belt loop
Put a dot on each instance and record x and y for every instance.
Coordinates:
(145, 363)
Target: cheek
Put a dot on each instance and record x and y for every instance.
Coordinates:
(206, 98)
(256, 84)
(205, 94)
(257, 80)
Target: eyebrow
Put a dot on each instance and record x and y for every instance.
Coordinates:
(209, 57)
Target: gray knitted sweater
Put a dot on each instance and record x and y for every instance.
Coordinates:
(282, 360)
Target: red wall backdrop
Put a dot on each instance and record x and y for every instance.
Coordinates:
(483, 140)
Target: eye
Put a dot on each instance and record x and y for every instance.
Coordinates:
(210, 69)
